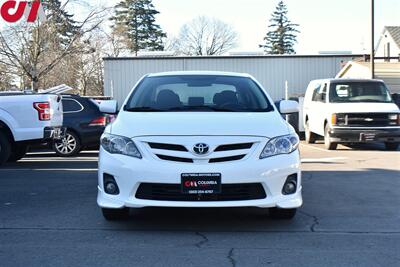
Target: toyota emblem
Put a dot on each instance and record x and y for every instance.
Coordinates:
(201, 149)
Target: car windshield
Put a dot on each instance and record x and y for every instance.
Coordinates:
(351, 92)
(206, 93)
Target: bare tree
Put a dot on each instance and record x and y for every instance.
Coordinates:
(6, 79)
(90, 66)
(115, 44)
(32, 50)
(205, 36)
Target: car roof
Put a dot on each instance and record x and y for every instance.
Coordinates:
(215, 73)
(347, 80)
(71, 96)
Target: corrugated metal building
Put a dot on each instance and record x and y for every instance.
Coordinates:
(121, 74)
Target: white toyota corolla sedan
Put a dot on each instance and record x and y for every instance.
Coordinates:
(199, 139)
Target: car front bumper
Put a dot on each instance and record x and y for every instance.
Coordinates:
(129, 173)
(364, 135)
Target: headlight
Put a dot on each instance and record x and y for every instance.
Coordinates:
(280, 145)
(394, 119)
(116, 144)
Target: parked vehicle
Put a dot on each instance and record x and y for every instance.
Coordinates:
(27, 119)
(84, 123)
(351, 111)
(200, 139)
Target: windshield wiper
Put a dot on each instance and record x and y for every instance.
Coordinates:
(199, 108)
(143, 109)
(371, 101)
(360, 101)
(377, 101)
(216, 109)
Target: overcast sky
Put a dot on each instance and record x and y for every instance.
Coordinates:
(324, 24)
(333, 25)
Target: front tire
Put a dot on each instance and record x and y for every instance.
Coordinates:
(69, 146)
(309, 136)
(5, 148)
(327, 139)
(392, 146)
(282, 214)
(115, 214)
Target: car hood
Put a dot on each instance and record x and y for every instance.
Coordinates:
(364, 108)
(134, 124)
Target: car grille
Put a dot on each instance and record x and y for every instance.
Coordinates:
(233, 147)
(180, 153)
(172, 192)
(176, 159)
(225, 159)
(364, 119)
(171, 147)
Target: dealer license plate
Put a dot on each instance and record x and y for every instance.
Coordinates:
(365, 137)
(201, 183)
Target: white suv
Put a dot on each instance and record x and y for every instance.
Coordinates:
(199, 139)
(351, 111)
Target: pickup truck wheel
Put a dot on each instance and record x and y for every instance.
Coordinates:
(392, 146)
(282, 214)
(327, 139)
(5, 148)
(310, 136)
(69, 146)
(18, 152)
(115, 214)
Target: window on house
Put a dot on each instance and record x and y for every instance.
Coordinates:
(387, 52)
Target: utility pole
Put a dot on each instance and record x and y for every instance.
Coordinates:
(372, 57)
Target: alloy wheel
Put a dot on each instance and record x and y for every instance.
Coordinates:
(67, 145)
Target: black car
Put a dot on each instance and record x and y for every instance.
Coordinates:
(85, 124)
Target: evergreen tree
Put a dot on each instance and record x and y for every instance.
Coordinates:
(135, 21)
(282, 36)
(64, 24)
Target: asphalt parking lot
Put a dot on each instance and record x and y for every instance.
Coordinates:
(351, 217)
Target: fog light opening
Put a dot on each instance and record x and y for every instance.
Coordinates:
(111, 188)
(290, 186)
(110, 185)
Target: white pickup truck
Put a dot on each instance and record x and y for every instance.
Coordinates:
(351, 111)
(27, 119)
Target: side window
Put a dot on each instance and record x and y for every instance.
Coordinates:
(71, 106)
(319, 94)
(315, 95)
(323, 91)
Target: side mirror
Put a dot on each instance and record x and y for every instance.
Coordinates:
(108, 106)
(289, 107)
